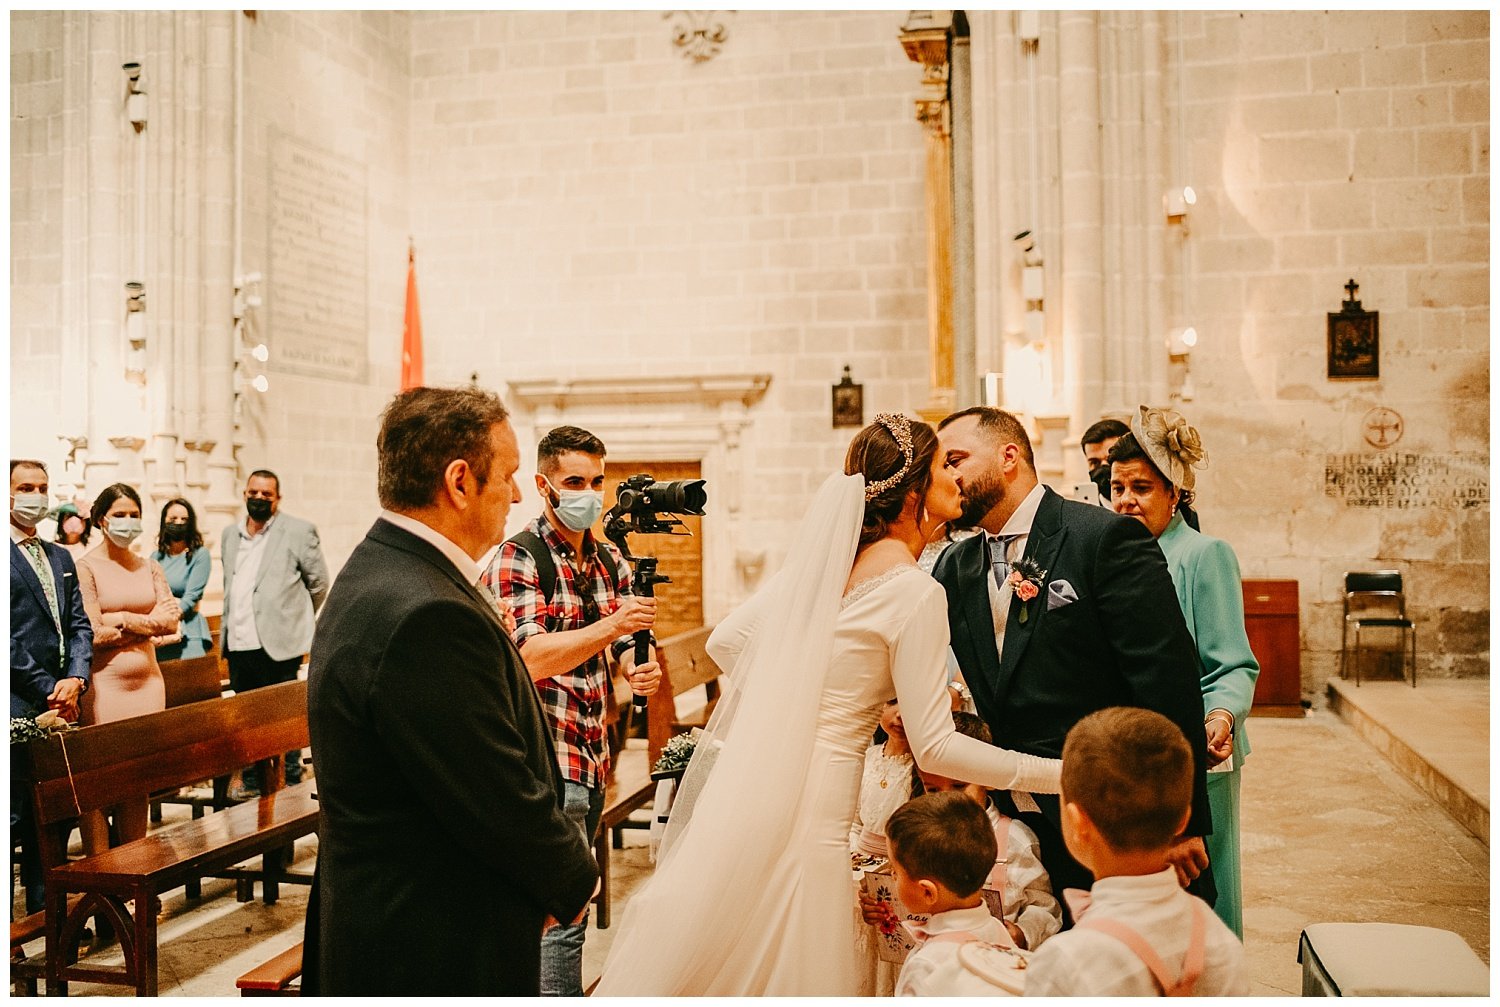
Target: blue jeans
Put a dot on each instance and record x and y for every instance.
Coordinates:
(562, 946)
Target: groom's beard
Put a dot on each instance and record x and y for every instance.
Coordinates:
(979, 498)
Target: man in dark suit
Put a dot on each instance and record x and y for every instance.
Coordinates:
(1056, 610)
(443, 848)
(51, 640)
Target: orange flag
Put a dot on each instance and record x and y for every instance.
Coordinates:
(411, 342)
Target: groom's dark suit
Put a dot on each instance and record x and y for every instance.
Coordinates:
(1122, 642)
(443, 844)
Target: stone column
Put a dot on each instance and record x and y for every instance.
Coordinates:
(1082, 209)
(925, 38)
(965, 378)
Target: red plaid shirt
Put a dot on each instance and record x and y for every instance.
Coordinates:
(574, 702)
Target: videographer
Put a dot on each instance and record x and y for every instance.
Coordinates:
(571, 596)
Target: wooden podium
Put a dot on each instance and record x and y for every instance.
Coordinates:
(1273, 624)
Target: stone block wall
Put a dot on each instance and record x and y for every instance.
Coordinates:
(337, 82)
(589, 202)
(1327, 146)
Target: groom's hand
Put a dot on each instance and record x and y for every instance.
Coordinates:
(1189, 856)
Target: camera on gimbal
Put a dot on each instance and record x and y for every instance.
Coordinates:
(646, 507)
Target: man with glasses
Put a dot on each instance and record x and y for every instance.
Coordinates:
(570, 594)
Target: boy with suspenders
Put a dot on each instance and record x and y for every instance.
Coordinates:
(1126, 790)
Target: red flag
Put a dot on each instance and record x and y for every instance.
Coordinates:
(411, 342)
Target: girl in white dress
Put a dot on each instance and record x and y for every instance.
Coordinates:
(752, 895)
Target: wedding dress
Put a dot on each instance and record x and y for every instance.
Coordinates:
(752, 895)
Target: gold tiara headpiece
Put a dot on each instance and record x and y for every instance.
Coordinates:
(900, 428)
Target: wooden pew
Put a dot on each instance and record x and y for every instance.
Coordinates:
(275, 977)
(95, 767)
(192, 680)
(687, 654)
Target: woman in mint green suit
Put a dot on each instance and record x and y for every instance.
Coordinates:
(1151, 476)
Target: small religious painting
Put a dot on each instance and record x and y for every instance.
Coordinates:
(848, 402)
(1353, 339)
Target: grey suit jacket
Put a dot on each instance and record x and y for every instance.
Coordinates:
(289, 587)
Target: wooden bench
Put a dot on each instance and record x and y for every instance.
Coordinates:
(687, 656)
(94, 768)
(275, 977)
(192, 680)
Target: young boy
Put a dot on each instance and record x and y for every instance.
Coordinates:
(942, 849)
(1126, 790)
(1031, 910)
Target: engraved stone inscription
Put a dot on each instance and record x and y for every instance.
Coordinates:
(318, 291)
(1403, 481)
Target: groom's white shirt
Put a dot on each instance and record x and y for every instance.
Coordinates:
(1019, 524)
(1000, 595)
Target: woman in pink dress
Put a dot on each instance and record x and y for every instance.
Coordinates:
(132, 609)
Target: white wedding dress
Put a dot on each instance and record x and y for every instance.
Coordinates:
(753, 894)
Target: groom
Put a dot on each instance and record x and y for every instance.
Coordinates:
(1090, 620)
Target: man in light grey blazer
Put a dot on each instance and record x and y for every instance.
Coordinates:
(275, 579)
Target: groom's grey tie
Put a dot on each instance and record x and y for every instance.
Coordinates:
(999, 547)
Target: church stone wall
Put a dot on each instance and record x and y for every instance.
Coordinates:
(1327, 146)
(36, 231)
(589, 202)
(334, 85)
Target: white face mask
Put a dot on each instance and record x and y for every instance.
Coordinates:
(122, 530)
(577, 509)
(27, 509)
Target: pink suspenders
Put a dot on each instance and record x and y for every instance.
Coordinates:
(1192, 963)
(996, 880)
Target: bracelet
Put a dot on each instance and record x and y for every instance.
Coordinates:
(1223, 715)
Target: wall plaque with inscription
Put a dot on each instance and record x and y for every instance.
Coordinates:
(1407, 480)
(318, 284)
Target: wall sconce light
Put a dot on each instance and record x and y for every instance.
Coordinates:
(1180, 342)
(1177, 201)
(1029, 25)
(135, 96)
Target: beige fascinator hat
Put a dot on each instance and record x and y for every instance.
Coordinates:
(1170, 442)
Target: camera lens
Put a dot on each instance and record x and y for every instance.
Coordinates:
(684, 496)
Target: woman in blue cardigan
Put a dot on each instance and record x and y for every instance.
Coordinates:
(1151, 478)
(185, 560)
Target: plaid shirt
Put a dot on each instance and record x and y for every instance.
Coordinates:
(573, 702)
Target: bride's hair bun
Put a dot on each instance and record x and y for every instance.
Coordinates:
(893, 470)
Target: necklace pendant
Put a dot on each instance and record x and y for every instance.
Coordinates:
(883, 784)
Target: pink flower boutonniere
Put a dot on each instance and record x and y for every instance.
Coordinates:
(1026, 578)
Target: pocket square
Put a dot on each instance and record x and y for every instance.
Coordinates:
(1060, 593)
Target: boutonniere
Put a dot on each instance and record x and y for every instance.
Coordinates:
(1026, 579)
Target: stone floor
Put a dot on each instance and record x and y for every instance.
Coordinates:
(1332, 832)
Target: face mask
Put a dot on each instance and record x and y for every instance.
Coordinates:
(577, 509)
(258, 509)
(29, 508)
(175, 531)
(123, 530)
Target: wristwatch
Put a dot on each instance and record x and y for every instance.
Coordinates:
(83, 684)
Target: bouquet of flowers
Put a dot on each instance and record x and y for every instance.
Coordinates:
(45, 725)
(675, 756)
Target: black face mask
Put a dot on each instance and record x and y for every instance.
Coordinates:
(175, 531)
(258, 509)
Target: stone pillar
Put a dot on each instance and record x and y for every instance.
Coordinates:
(75, 402)
(965, 357)
(925, 38)
(1082, 207)
(117, 417)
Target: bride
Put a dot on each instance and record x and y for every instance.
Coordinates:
(752, 894)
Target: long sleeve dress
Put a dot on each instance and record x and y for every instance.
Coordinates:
(1207, 577)
(187, 575)
(127, 607)
(692, 930)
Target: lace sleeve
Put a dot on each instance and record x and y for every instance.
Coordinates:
(920, 674)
